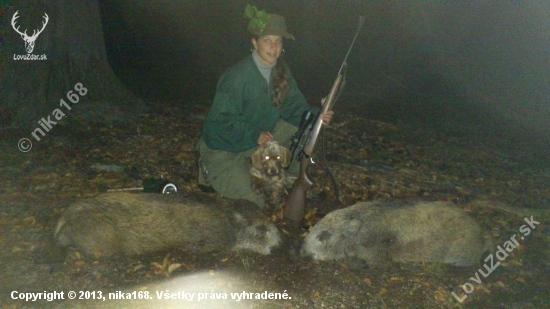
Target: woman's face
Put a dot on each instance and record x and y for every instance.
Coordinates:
(269, 48)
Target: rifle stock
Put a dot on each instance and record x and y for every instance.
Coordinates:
(296, 201)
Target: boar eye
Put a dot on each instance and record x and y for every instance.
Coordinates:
(266, 157)
(278, 157)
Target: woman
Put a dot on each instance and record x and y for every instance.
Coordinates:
(257, 100)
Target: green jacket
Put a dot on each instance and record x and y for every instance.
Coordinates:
(243, 107)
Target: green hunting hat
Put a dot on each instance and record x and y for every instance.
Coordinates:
(261, 23)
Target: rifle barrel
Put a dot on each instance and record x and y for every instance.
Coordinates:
(329, 102)
(361, 19)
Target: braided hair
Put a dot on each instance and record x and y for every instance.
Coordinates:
(280, 83)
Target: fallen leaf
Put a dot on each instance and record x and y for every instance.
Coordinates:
(173, 267)
(191, 266)
(97, 253)
(156, 265)
(483, 288)
(166, 261)
(520, 280)
(29, 221)
(77, 255)
(440, 296)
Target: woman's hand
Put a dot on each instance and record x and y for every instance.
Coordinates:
(327, 117)
(265, 137)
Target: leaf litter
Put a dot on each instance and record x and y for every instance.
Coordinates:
(368, 159)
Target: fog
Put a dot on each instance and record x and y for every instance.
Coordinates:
(483, 64)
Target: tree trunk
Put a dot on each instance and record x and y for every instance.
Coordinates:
(72, 42)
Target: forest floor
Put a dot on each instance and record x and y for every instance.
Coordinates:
(369, 160)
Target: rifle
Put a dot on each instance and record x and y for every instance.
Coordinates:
(307, 136)
(300, 138)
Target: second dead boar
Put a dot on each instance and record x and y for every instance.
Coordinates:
(383, 231)
(127, 224)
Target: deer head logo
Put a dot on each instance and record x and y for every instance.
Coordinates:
(29, 40)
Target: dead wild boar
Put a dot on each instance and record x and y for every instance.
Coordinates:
(129, 224)
(383, 231)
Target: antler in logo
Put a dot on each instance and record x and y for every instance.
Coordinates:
(29, 40)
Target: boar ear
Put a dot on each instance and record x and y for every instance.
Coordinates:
(257, 158)
(286, 154)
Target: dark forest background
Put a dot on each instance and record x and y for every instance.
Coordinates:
(479, 68)
(459, 65)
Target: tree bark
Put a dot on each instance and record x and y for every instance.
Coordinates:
(74, 46)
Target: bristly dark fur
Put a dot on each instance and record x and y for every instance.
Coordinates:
(268, 175)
